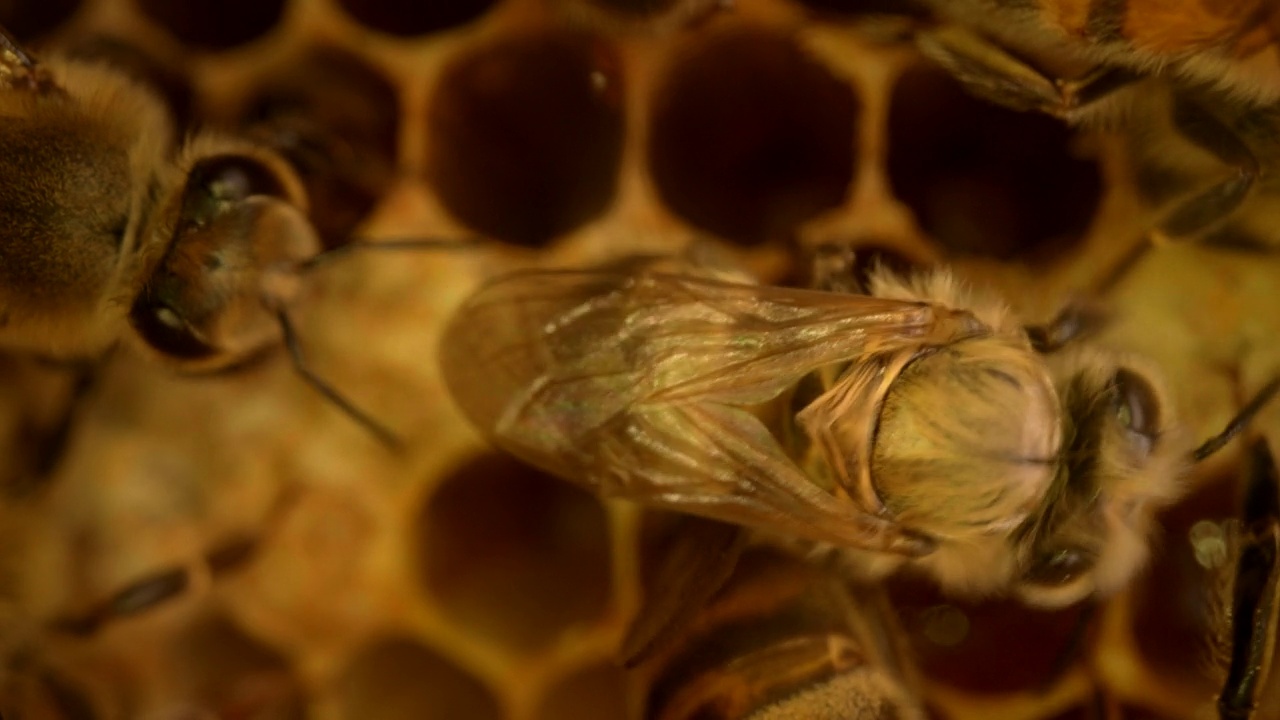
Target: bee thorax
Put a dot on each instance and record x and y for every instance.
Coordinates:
(966, 438)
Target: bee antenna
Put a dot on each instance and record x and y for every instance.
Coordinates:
(382, 244)
(380, 431)
(1238, 423)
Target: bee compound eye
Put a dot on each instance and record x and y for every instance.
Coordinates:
(236, 177)
(1059, 566)
(223, 180)
(164, 329)
(1136, 406)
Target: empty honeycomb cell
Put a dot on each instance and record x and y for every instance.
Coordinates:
(1019, 647)
(523, 146)
(398, 679)
(860, 8)
(215, 24)
(598, 691)
(640, 8)
(29, 20)
(234, 676)
(407, 17)
(983, 179)
(1171, 617)
(514, 554)
(336, 120)
(752, 136)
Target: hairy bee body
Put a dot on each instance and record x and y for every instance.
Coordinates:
(112, 229)
(79, 166)
(1233, 45)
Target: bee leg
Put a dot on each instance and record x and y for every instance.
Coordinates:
(1254, 601)
(696, 562)
(1198, 125)
(136, 598)
(381, 432)
(990, 72)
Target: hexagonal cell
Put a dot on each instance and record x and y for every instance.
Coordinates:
(983, 179)
(985, 647)
(523, 146)
(406, 17)
(224, 670)
(1172, 620)
(752, 136)
(598, 691)
(336, 120)
(514, 554)
(398, 679)
(29, 20)
(215, 24)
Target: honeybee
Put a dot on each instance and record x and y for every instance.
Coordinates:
(786, 639)
(192, 251)
(1194, 83)
(919, 426)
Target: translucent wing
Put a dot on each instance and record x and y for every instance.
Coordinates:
(640, 386)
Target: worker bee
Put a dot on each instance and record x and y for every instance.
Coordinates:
(1194, 84)
(112, 230)
(919, 426)
(784, 638)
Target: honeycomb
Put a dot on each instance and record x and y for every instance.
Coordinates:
(232, 546)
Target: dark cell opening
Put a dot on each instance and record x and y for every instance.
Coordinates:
(514, 554)
(752, 137)
(28, 20)
(984, 180)
(410, 17)
(398, 679)
(995, 646)
(215, 25)
(526, 136)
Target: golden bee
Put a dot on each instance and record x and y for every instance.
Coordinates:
(113, 230)
(919, 426)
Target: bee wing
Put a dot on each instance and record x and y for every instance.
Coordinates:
(639, 386)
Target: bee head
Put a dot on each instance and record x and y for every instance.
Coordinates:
(233, 223)
(1120, 463)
